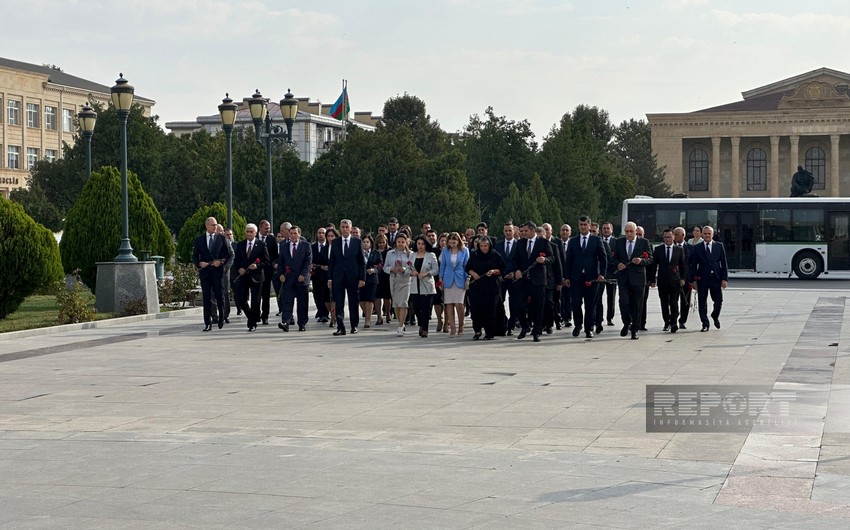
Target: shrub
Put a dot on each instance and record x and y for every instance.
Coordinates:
(29, 257)
(194, 226)
(138, 306)
(185, 282)
(94, 224)
(73, 303)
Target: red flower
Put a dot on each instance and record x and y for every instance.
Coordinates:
(542, 254)
(644, 255)
(379, 265)
(696, 278)
(409, 264)
(257, 260)
(288, 270)
(587, 284)
(529, 299)
(439, 284)
(675, 268)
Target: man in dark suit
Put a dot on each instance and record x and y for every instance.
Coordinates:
(668, 272)
(586, 264)
(530, 258)
(392, 231)
(566, 307)
(294, 262)
(346, 275)
(685, 293)
(632, 256)
(250, 261)
(505, 249)
(210, 255)
(711, 274)
(640, 234)
(610, 287)
(554, 276)
(270, 242)
(321, 294)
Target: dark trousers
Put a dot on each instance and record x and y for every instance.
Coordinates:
(631, 304)
(566, 306)
(684, 303)
(600, 309)
(266, 294)
(289, 294)
(340, 290)
(211, 286)
(421, 305)
(225, 292)
(669, 296)
(514, 291)
(581, 293)
(485, 313)
(556, 304)
(643, 309)
(549, 309)
(704, 288)
(611, 295)
(244, 288)
(531, 307)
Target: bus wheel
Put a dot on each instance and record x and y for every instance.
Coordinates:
(807, 265)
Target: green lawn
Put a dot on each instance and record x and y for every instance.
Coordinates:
(39, 311)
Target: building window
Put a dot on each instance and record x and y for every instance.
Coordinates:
(50, 118)
(816, 165)
(32, 115)
(50, 155)
(67, 120)
(698, 170)
(32, 157)
(14, 160)
(14, 112)
(756, 170)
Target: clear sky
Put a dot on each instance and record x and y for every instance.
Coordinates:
(528, 59)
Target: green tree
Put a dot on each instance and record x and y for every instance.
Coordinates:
(547, 205)
(517, 207)
(29, 257)
(633, 146)
(195, 225)
(409, 112)
(94, 224)
(498, 152)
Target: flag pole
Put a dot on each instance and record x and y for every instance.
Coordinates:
(344, 102)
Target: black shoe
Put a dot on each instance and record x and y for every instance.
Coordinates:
(576, 331)
(536, 337)
(227, 321)
(488, 337)
(302, 328)
(624, 331)
(208, 327)
(284, 327)
(549, 330)
(238, 312)
(558, 326)
(568, 324)
(609, 324)
(220, 324)
(252, 328)
(716, 322)
(292, 321)
(277, 314)
(331, 325)
(643, 328)
(598, 329)
(476, 336)
(588, 334)
(340, 332)
(634, 335)
(265, 321)
(682, 325)
(354, 331)
(674, 328)
(522, 334)
(509, 332)
(704, 327)
(666, 327)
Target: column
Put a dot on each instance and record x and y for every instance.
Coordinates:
(736, 166)
(795, 152)
(715, 166)
(834, 185)
(773, 182)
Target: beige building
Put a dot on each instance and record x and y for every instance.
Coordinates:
(39, 108)
(313, 132)
(752, 148)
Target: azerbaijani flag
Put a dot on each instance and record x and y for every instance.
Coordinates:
(341, 108)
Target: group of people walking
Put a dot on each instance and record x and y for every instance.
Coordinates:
(548, 281)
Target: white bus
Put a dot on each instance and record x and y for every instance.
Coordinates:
(806, 235)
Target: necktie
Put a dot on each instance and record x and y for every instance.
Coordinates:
(344, 246)
(708, 248)
(250, 246)
(209, 241)
(583, 242)
(631, 246)
(530, 244)
(294, 247)
(669, 254)
(508, 250)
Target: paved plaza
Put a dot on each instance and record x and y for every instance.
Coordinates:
(151, 423)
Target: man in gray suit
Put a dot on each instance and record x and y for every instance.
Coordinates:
(294, 263)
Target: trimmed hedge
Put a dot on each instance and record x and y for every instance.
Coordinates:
(195, 226)
(94, 224)
(29, 257)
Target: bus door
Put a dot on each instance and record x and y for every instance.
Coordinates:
(838, 236)
(738, 231)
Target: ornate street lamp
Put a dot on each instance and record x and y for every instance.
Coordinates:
(266, 132)
(122, 99)
(87, 118)
(227, 110)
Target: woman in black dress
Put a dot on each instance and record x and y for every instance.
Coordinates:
(384, 297)
(373, 263)
(485, 267)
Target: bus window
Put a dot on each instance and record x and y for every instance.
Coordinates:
(665, 219)
(808, 225)
(775, 225)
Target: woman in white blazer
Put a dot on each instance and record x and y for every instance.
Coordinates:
(453, 274)
(422, 286)
(398, 265)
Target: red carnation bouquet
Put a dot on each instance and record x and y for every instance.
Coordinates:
(588, 284)
(288, 270)
(645, 255)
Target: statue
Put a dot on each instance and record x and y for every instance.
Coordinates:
(802, 183)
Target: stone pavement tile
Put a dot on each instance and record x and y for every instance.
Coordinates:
(50, 522)
(832, 488)
(525, 523)
(747, 466)
(409, 517)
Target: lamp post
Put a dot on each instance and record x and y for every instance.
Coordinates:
(267, 133)
(122, 98)
(227, 110)
(87, 118)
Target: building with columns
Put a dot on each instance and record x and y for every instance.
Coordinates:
(752, 148)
